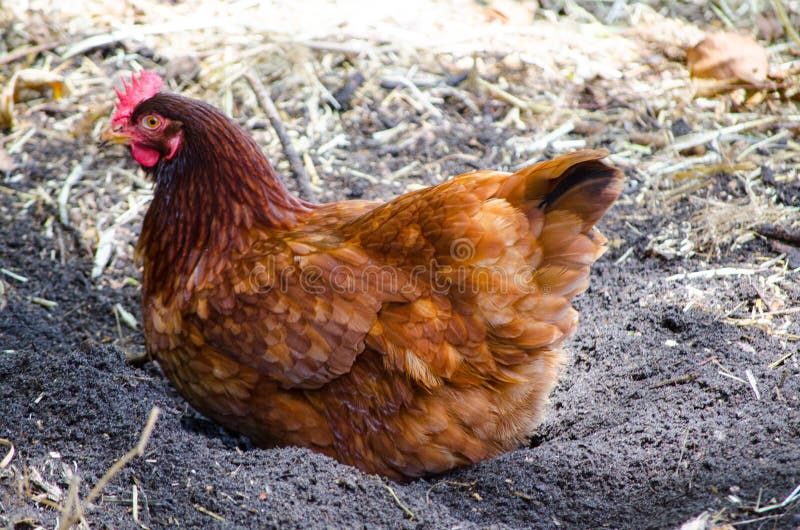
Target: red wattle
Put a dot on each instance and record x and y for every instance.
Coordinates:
(145, 156)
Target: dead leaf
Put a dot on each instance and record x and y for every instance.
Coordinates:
(505, 11)
(730, 57)
(30, 79)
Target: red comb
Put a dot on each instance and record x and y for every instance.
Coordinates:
(137, 91)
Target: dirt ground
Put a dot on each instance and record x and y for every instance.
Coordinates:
(680, 401)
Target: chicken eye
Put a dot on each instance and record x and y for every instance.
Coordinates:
(150, 122)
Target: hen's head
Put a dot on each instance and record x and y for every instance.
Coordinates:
(150, 135)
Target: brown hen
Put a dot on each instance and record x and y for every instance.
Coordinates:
(403, 338)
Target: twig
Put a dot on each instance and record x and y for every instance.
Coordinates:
(63, 196)
(675, 381)
(17, 146)
(511, 99)
(309, 165)
(707, 159)
(735, 378)
(683, 451)
(775, 364)
(366, 176)
(418, 95)
(403, 171)
(753, 383)
(353, 47)
(135, 503)
(793, 496)
(692, 140)
(458, 94)
(296, 163)
(408, 512)
(781, 233)
(130, 455)
(28, 50)
(9, 455)
(712, 273)
(14, 275)
(72, 514)
(24, 194)
(44, 302)
(780, 12)
(125, 316)
(624, 256)
(72, 511)
(543, 142)
(521, 495)
(208, 512)
(780, 135)
(105, 246)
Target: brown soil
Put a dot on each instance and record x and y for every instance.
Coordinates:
(644, 430)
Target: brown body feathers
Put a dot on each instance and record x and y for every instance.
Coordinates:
(403, 338)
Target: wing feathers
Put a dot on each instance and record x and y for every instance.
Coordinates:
(445, 283)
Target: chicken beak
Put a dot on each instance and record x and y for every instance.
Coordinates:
(114, 136)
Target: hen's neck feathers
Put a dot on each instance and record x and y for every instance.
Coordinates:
(207, 198)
